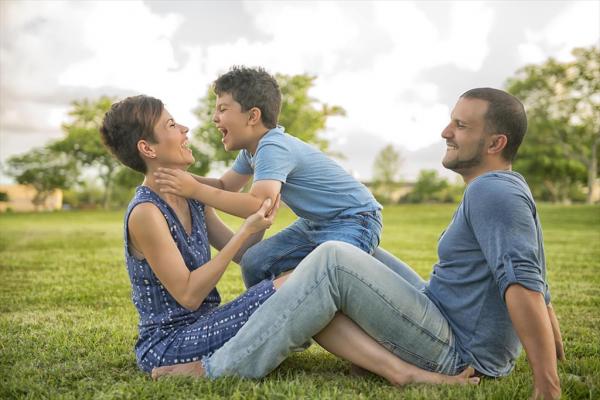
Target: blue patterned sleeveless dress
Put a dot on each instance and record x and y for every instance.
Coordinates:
(169, 333)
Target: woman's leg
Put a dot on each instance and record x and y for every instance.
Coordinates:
(344, 338)
(195, 368)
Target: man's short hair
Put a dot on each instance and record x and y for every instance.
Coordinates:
(252, 87)
(128, 122)
(505, 115)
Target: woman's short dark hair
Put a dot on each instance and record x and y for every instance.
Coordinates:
(252, 87)
(128, 122)
(505, 114)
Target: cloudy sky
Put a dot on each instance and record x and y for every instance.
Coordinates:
(397, 67)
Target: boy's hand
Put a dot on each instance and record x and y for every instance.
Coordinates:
(176, 181)
(263, 218)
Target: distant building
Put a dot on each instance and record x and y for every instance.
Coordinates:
(19, 198)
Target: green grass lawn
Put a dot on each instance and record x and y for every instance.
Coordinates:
(67, 325)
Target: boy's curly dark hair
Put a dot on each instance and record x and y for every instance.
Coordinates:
(252, 87)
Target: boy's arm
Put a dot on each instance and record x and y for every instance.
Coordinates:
(239, 204)
(531, 321)
(230, 181)
(219, 234)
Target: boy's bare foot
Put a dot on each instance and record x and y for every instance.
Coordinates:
(193, 369)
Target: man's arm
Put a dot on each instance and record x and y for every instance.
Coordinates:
(531, 321)
(243, 205)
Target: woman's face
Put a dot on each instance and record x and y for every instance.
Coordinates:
(172, 149)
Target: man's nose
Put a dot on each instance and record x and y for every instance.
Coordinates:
(447, 132)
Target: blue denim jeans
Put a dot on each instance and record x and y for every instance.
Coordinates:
(284, 251)
(339, 277)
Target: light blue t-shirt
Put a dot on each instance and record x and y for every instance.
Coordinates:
(313, 186)
(494, 240)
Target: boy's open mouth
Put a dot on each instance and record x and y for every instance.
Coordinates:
(223, 132)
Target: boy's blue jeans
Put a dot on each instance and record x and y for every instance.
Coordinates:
(284, 251)
(391, 307)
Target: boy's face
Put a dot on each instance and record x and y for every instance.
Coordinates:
(232, 122)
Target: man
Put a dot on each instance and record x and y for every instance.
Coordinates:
(486, 295)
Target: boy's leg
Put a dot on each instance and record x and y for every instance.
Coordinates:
(338, 277)
(361, 230)
(277, 254)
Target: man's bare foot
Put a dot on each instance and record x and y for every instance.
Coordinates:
(422, 376)
(355, 370)
(193, 369)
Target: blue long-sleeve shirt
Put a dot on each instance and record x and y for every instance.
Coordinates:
(493, 241)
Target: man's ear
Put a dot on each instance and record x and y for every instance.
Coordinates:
(254, 116)
(146, 149)
(498, 143)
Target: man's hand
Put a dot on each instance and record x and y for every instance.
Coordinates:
(176, 181)
(558, 343)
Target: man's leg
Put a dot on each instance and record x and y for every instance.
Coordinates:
(399, 267)
(339, 277)
(347, 340)
(275, 255)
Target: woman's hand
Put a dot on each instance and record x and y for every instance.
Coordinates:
(176, 181)
(263, 218)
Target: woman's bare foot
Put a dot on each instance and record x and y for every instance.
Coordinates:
(422, 376)
(193, 369)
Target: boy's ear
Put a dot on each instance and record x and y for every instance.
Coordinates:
(146, 149)
(254, 116)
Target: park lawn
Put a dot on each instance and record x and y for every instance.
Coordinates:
(67, 325)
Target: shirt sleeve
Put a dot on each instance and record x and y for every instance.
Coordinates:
(503, 220)
(273, 161)
(242, 164)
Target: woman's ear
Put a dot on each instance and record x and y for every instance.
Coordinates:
(146, 149)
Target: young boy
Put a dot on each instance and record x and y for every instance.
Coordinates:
(330, 204)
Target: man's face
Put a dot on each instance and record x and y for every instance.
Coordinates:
(465, 136)
(231, 121)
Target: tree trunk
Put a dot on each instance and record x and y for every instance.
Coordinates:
(592, 169)
(107, 179)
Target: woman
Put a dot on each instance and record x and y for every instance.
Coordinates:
(172, 276)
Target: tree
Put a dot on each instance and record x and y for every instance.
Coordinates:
(563, 105)
(43, 169)
(83, 144)
(386, 168)
(432, 188)
(301, 115)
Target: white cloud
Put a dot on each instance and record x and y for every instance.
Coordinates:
(577, 26)
(369, 58)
